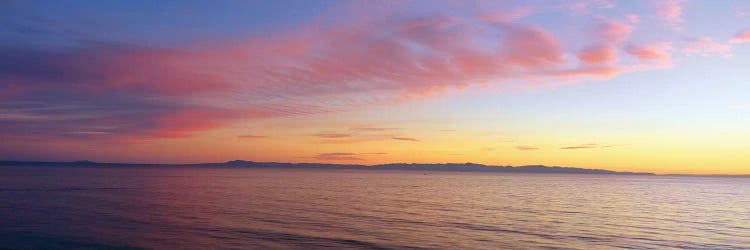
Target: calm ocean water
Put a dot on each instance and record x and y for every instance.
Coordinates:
(223, 208)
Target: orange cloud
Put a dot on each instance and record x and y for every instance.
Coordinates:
(526, 148)
(742, 37)
(405, 139)
(252, 136)
(372, 129)
(332, 135)
(338, 157)
(587, 146)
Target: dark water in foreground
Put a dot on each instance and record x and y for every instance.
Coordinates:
(222, 208)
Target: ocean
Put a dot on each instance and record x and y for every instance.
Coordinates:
(245, 208)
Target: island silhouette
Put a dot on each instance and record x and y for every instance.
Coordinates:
(463, 167)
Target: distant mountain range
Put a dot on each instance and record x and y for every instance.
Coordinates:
(465, 167)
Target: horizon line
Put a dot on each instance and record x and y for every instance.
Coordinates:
(374, 165)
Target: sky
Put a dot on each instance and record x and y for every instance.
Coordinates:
(659, 86)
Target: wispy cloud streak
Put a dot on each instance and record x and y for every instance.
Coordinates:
(405, 139)
(526, 148)
(338, 157)
(587, 146)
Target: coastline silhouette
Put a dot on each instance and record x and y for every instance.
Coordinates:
(462, 167)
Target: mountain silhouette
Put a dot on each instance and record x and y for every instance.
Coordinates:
(464, 167)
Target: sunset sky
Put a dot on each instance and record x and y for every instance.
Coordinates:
(658, 86)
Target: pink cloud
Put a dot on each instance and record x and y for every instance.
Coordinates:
(164, 71)
(671, 11)
(633, 18)
(612, 32)
(428, 91)
(531, 47)
(658, 52)
(181, 124)
(598, 55)
(586, 6)
(321, 67)
(185, 123)
(436, 22)
(504, 16)
(742, 37)
(608, 35)
(596, 72)
(706, 47)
